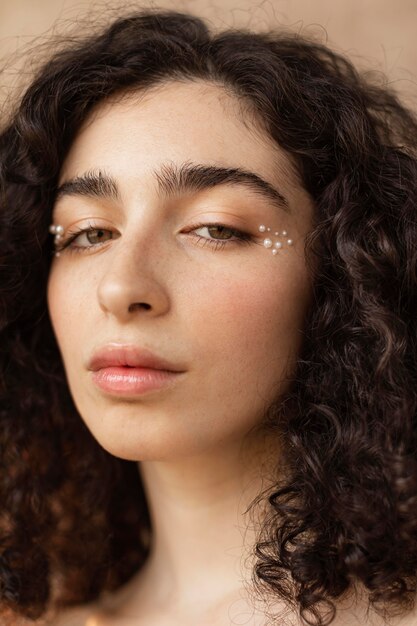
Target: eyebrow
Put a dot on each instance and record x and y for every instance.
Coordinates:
(173, 179)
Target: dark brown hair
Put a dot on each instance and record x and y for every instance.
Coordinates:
(73, 518)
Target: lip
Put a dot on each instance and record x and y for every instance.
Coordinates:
(115, 355)
(128, 370)
(132, 381)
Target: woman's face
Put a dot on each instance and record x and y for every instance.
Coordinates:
(230, 316)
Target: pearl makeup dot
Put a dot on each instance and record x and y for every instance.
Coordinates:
(268, 243)
(58, 231)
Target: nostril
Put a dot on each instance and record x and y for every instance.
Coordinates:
(138, 305)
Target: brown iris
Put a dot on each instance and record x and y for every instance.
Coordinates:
(220, 229)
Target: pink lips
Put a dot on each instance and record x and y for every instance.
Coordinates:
(128, 370)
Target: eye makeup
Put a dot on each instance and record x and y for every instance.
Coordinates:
(63, 242)
(268, 243)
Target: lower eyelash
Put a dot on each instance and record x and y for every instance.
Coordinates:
(211, 242)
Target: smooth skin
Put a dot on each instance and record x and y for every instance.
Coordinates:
(231, 317)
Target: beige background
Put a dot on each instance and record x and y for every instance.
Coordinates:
(380, 35)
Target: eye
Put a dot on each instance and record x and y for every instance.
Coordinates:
(224, 232)
(90, 237)
(227, 235)
(95, 235)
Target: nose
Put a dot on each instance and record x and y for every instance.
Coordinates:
(134, 278)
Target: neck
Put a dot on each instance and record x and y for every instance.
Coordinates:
(203, 528)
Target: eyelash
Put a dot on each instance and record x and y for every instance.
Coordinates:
(241, 237)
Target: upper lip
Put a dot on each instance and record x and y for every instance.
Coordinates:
(114, 354)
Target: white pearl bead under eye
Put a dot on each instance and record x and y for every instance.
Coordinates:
(268, 243)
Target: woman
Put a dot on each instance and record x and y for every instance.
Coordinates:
(208, 335)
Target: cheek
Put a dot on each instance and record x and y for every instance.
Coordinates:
(55, 293)
(252, 328)
(65, 306)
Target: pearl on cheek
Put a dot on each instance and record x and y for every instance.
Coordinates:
(268, 243)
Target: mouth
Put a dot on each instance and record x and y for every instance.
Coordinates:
(131, 370)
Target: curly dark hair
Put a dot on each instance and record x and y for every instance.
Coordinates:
(72, 523)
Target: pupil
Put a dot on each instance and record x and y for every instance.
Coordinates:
(94, 235)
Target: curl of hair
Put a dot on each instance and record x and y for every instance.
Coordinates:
(73, 518)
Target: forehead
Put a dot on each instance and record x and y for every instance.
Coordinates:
(177, 121)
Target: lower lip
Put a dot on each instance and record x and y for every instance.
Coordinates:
(132, 380)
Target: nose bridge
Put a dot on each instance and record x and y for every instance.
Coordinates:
(133, 275)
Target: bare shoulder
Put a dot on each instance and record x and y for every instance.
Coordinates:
(78, 616)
